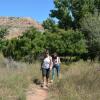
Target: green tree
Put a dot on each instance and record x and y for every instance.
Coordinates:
(68, 42)
(3, 32)
(49, 24)
(74, 42)
(97, 5)
(29, 45)
(2, 44)
(54, 42)
(69, 12)
(62, 13)
(91, 26)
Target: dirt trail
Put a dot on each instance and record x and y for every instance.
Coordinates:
(36, 93)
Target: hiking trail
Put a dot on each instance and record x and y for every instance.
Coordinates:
(36, 93)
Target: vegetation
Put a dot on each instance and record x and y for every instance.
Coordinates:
(26, 46)
(69, 12)
(15, 78)
(74, 34)
(50, 25)
(79, 81)
(81, 15)
(3, 32)
(33, 43)
(90, 24)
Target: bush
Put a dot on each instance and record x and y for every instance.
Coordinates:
(33, 43)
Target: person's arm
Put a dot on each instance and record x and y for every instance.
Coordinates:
(51, 64)
(59, 60)
(41, 64)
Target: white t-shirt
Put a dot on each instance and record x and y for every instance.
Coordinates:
(56, 61)
(46, 63)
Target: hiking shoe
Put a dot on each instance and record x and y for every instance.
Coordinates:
(42, 85)
(51, 81)
(45, 87)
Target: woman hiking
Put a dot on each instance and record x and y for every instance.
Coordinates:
(56, 66)
(46, 66)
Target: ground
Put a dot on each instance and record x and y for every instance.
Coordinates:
(36, 93)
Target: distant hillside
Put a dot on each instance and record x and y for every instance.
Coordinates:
(17, 25)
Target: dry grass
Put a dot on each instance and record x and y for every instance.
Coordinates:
(80, 81)
(15, 79)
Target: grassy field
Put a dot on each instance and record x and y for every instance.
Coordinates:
(15, 77)
(80, 81)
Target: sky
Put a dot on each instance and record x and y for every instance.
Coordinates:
(37, 9)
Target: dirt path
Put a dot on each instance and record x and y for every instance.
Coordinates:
(36, 93)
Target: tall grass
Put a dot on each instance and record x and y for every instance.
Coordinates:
(80, 81)
(15, 78)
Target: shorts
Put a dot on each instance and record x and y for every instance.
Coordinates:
(45, 72)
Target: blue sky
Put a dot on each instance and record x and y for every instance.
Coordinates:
(37, 9)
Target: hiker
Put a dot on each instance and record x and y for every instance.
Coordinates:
(56, 66)
(46, 66)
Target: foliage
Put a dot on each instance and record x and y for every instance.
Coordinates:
(2, 44)
(49, 24)
(66, 42)
(69, 12)
(64, 37)
(79, 81)
(15, 78)
(33, 43)
(3, 32)
(61, 12)
(25, 47)
(91, 25)
(74, 42)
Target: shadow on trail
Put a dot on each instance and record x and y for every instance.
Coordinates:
(37, 81)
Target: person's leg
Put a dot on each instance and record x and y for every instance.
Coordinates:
(44, 82)
(47, 76)
(53, 73)
(44, 76)
(58, 70)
